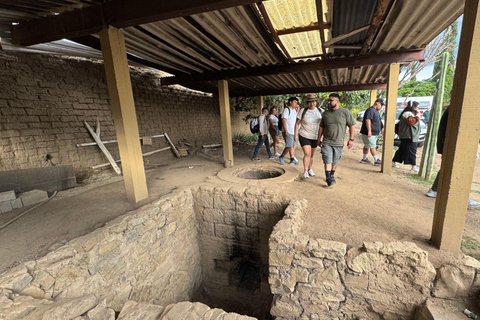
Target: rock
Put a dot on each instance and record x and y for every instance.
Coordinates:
(453, 281)
(16, 279)
(71, 308)
(363, 262)
(284, 307)
(140, 311)
(101, 312)
(332, 250)
(431, 311)
(185, 310)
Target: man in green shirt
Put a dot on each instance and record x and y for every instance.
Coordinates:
(332, 128)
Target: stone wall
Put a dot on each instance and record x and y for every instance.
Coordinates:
(319, 279)
(44, 101)
(149, 255)
(234, 226)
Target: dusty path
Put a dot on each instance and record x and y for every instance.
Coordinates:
(364, 205)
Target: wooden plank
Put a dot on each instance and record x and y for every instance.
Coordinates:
(225, 122)
(312, 27)
(391, 110)
(269, 92)
(382, 7)
(87, 144)
(349, 62)
(103, 148)
(272, 31)
(172, 145)
(123, 111)
(373, 97)
(117, 13)
(321, 26)
(143, 155)
(461, 141)
(346, 35)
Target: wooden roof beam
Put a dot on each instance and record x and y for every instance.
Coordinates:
(117, 13)
(312, 27)
(382, 7)
(346, 35)
(350, 62)
(339, 88)
(321, 26)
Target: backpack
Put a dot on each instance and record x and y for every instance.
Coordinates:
(254, 125)
(280, 122)
(305, 111)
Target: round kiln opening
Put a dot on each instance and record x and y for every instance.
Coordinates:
(258, 173)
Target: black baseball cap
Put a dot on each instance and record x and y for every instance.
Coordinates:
(382, 101)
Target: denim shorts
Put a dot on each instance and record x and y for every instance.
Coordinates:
(331, 154)
(369, 143)
(290, 141)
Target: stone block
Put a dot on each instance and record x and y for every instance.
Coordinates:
(363, 262)
(281, 259)
(206, 228)
(16, 279)
(213, 215)
(453, 281)
(16, 204)
(225, 231)
(222, 199)
(33, 197)
(7, 196)
(44, 178)
(5, 206)
(332, 250)
(235, 218)
(432, 311)
(285, 308)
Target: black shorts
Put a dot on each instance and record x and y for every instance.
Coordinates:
(307, 142)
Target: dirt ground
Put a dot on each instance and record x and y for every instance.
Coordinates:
(364, 205)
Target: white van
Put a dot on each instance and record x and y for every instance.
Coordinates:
(423, 101)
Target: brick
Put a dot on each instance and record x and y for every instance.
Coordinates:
(5, 206)
(16, 204)
(7, 196)
(33, 197)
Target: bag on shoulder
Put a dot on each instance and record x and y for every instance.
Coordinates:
(254, 125)
(305, 111)
(280, 117)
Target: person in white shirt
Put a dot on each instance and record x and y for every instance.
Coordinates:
(308, 120)
(263, 136)
(289, 118)
(273, 129)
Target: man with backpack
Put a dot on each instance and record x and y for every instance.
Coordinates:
(289, 118)
(262, 135)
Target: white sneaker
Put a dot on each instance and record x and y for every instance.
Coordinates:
(430, 193)
(395, 165)
(277, 154)
(473, 203)
(311, 173)
(305, 175)
(415, 169)
(295, 158)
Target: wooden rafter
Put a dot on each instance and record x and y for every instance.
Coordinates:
(117, 13)
(350, 62)
(272, 31)
(321, 26)
(338, 88)
(377, 19)
(311, 27)
(346, 35)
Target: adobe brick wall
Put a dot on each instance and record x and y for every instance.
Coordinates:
(44, 101)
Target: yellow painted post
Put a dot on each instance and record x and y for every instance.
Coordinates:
(124, 115)
(391, 110)
(373, 97)
(461, 139)
(226, 123)
(259, 105)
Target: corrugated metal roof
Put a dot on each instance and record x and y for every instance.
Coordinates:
(238, 38)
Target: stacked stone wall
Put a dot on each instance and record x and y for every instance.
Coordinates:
(234, 226)
(44, 101)
(149, 255)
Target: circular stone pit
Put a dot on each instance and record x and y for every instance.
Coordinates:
(258, 173)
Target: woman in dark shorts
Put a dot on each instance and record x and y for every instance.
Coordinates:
(273, 129)
(308, 119)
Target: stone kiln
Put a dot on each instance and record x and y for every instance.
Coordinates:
(233, 248)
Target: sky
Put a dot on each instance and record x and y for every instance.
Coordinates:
(428, 71)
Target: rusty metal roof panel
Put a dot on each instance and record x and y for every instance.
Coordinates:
(421, 22)
(287, 14)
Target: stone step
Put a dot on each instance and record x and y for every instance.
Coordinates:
(33, 197)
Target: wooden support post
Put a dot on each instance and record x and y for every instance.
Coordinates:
(389, 130)
(226, 124)
(124, 115)
(461, 139)
(373, 97)
(259, 105)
